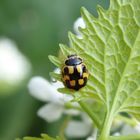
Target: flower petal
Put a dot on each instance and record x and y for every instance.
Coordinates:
(77, 129)
(50, 112)
(73, 112)
(41, 88)
(137, 127)
(94, 135)
(61, 98)
(79, 23)
(14, 66)
(126, 130)
(91, 138)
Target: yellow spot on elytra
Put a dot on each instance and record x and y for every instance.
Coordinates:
(66, 77)
(81, 81)
(71, 69)
(85, 75)
(79, 68)
(72, 83)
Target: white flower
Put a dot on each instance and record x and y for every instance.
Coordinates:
(77, 129)
(55, 107)
(80, 128)
(14, 66)
(127, 129)
(79, 23)
(116, 134)
(137, 127)
(93, 136)
(51, 112)
(47, 92)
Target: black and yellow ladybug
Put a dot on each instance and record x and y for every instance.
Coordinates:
(74, 72)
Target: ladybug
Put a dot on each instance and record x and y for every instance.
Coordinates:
(74, 72)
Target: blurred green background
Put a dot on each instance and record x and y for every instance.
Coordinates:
(37, 27)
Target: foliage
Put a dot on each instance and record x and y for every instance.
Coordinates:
(110, 48)
(43, 137)
(37, 34)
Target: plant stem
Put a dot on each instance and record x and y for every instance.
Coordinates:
(90, 113)
(105, 131)
(63, 127)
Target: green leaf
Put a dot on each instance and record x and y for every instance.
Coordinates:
(110, 48)
(64, 50)
(56, 76)
(129, 137)
(55, 60)
(44, 137)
